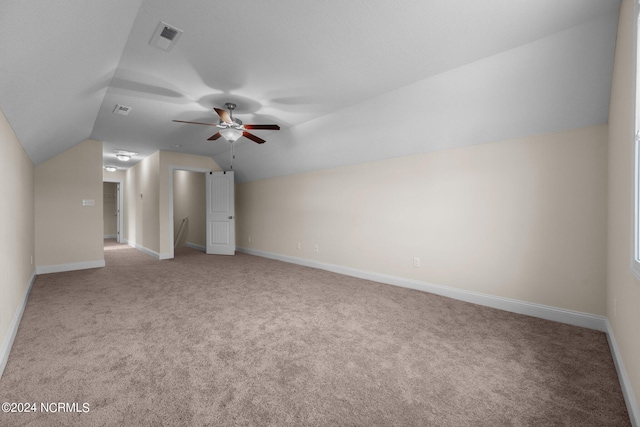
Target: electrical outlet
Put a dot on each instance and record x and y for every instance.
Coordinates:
(298, 246)
(249, 239)
(416, 262)
(316, 248)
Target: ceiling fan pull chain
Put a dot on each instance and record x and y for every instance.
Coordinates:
(233, 155)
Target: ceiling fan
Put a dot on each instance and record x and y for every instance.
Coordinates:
(232, 129)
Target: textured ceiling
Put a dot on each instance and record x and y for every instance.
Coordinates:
(348, 82)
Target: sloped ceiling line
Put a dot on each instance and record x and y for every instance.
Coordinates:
(348, 82)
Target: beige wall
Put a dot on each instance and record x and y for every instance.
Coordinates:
(17, 239)
(189, 194)
(66, 231)
(148, 221)
(623, 290)
(522, 219)
(119, 175)
(141, 204)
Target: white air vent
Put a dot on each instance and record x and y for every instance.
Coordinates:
(123, 110)
(165, 36)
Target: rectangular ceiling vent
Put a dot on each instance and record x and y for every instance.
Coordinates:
(165, 37)
(123, 110)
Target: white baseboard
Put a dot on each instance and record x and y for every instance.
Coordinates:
(44, 269)
(150, 252)
(196, 246)
(109, 236)
(7, 342)
(561, 315)
(625, 382)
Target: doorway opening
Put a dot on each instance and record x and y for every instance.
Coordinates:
(188, 205)
(216, 205)
(112, 210)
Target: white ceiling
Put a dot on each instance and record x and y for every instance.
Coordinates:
(348, 81)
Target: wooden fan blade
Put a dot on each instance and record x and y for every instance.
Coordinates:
(214, 137)
(224, 115)
(264, 127)
(253, 137)
(194, 123)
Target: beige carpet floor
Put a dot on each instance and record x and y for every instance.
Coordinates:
(247, 341)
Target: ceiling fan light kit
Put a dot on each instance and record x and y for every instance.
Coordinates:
(231, 134)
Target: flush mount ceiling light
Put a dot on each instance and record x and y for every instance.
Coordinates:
(124, 155)
(110, 168)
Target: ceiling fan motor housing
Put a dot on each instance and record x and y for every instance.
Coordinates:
(231, 106)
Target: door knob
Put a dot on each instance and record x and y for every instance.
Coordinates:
(230, 217)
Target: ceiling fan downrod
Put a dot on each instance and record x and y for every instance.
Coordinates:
(230, 106)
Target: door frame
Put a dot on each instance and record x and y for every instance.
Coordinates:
(119, 207)
(170, 228)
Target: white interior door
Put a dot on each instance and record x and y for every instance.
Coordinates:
(221, 223)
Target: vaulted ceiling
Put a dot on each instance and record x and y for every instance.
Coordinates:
(348, 81)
